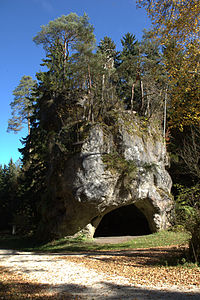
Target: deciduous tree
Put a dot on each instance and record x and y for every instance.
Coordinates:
(154, 76)
(177, 22)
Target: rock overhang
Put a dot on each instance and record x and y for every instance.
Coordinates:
(96, 186)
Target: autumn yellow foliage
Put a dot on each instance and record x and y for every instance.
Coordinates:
(177, 22)
(178, 18)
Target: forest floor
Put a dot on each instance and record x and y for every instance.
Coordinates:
(112, 274)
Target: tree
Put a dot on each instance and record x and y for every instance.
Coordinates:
(67, 41)
(4, 215)
(22, 105)
(177, 22)
(65, 32)
(184, 85)
(189, 151)
(63, 40)
(106, 56)
(129, 71)
(9, 201)
(154, 75)
(82, 64)
(175, 18)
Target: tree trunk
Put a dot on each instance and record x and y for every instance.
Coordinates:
(90, 113)
(103, 87)
(147, 111)
(90, 81)
(132, 95)
(165, 115)
(142, 94)
(29, 124)
(13, 229)
(66, 54)
(65, 58)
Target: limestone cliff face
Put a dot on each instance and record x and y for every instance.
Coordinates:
(112, 169)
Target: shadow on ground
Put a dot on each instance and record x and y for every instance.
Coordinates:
(15, 289)
(170, 256)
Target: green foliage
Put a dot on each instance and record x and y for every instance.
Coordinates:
(160, 239)
(9, 194)
(67, 31)
(22, 105)
(184, 170)
(154, 76)
(108, 48)
(80, 87)
(149, 166)
(188, 215)
(187, 203)
(129, 72)
(15, 204)
(117, 163)
(61, 38)
(106, 99)
(33, 176)
(194, 229)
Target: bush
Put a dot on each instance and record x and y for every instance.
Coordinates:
(194, 228)
(188, 215)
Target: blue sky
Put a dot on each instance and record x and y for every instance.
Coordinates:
(20, 20)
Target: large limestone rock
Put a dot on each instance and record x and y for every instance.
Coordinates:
(113, 168)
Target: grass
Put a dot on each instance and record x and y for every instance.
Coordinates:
(155, 240)
(159, 239)
(15, 287)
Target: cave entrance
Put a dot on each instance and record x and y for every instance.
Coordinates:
(126, 220)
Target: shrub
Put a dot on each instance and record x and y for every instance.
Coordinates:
(188, 215)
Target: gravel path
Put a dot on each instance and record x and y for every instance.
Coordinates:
(61, 274)
(114, 239)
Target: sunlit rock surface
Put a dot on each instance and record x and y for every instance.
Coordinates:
(112, 169)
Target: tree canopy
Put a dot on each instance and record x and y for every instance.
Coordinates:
(175, 18)
(84, 84)
(22, 105)
(65, 32)
(176, 24)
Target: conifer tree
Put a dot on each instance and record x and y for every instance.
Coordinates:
(106, 55)
(62, 39)
(129, 71)
(22, 105)
(9, 201)
(64, 32)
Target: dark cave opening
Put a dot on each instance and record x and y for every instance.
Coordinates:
(126, 220)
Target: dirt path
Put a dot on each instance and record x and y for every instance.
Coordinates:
(114, 239)
(100, 275)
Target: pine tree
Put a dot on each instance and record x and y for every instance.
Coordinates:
(65, 31)
(22, 105)
(106, 56)
(63, 39)
(9, 200)
(129, 71)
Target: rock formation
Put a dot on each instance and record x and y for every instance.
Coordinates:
(117, 165)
